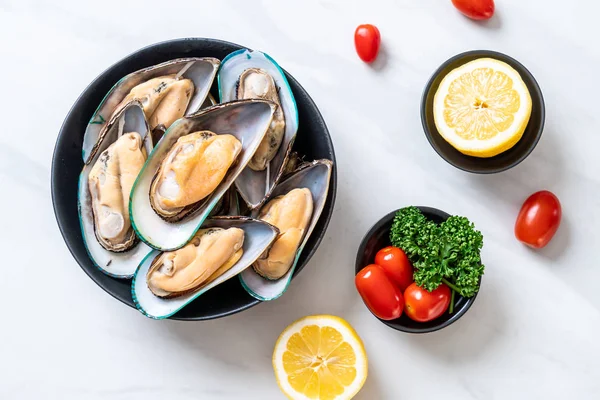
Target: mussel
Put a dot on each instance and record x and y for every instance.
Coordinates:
(104, 193)
(166, 92)
(110, 182)
(252, 74)
(298, 198)
(291, 214)
(210, 253)
(164, 99)
(165, 282)
(191, 168)
(191, 171)
(257, 83)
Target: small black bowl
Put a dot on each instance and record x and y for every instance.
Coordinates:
(313, 140)
(376, 239)
(502, 161)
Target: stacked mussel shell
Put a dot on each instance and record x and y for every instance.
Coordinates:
(180, 194)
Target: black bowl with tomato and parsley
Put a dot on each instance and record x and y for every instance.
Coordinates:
(435, 254)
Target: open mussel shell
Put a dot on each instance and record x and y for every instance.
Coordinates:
(247, 120)
(119, 265)
(201, 71)
(314, 176)
(209, 102)
(228, 205)
(255, 186)
(258, 236)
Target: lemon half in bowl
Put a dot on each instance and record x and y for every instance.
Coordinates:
(482, 107)
(504, 148)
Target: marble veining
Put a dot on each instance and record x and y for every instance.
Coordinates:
(533, 331)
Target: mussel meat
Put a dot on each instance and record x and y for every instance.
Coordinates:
(191, 171)
(209, 254)
(110, 181)
(291, 214)
(164, 100)
(256, 83)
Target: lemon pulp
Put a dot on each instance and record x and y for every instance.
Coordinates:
(482, 107)
(321, 358)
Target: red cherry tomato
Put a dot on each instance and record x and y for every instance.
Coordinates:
(367, 40)
(378, 292)
(422, 306)
(475, 9)
(538, 219)
(396, 266)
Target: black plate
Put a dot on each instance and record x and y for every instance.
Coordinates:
(313, 140)
(376, 239)
(502, 161)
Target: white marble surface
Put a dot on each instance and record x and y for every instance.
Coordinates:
(533, 332)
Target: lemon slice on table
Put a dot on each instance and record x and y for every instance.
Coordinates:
(320, 358)
(482, 107)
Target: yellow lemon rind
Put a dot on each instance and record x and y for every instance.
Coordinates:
(320, 320)
(504, 140)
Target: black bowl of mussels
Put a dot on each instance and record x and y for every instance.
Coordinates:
(193, 179)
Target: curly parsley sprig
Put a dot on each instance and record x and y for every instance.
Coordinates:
(448, 253)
